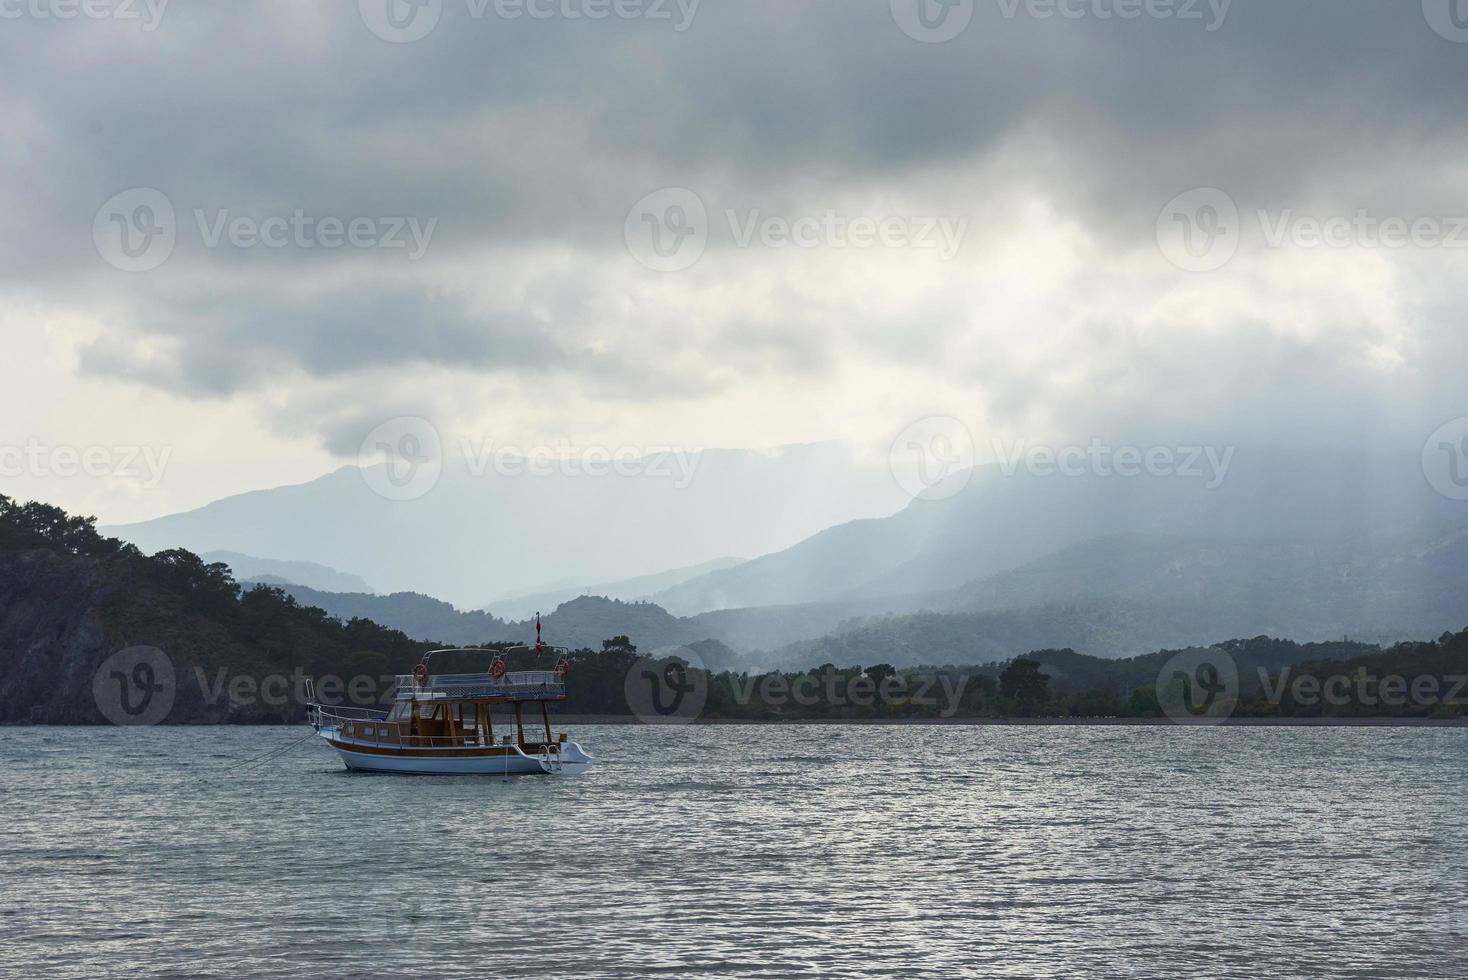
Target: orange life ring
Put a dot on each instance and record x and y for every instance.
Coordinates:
(420, 674)
(497, 669)
(563, 666)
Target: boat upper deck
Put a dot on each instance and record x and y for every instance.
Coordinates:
(525, 685)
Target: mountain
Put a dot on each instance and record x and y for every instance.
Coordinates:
(1110, 597)
(419, 616)
(1386, 585)
(1119, 595)
(640, 587)
(92, 630)
(582, 622)
(247, 568)
(1005, 518)
(477, 532)
(1110, 629)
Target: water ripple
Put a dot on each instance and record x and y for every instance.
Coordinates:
(995, 852)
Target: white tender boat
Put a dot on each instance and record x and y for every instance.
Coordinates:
(444, 724)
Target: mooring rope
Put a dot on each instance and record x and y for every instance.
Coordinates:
(272, 754)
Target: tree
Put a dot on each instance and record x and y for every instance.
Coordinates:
(1023, 683)
(618, 644)
(880, 672)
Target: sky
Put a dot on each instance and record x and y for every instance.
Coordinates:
(245, 235)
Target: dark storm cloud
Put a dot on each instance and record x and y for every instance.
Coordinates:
(223, 345)
(541, 133)
(551, 129)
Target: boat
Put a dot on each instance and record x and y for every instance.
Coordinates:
(445, 724)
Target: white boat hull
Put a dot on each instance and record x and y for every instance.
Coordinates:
(505, 761)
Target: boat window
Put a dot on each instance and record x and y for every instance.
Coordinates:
(401, 711)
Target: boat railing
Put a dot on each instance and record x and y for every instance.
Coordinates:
(376, 732)
(331, 714)
(527, 684)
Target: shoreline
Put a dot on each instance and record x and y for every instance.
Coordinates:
(1037, 722)
(898, 722)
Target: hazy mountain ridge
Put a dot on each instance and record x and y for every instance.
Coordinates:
(582, 622)
(1004, 521)
(1118, 595)
(1364, 583)
(628, 590)
(70, 599)
(473, 536)
(1109, 597)
(312, 575)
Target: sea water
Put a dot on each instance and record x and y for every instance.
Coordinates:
(749, 851)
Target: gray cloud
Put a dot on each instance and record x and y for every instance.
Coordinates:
(528, 140)
(224, 344)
